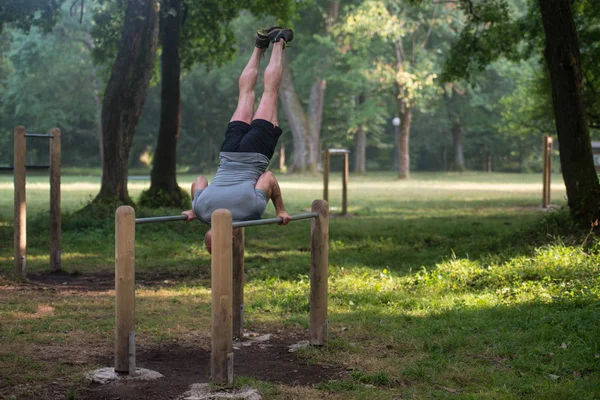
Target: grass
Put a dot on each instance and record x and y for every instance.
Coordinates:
(445, 286)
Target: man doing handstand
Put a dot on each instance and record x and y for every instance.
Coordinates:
(241, 184)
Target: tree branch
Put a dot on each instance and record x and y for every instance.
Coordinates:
(435, 8)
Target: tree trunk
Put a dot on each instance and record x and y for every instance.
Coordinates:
(125, 95)
(564, 64)
(307, 150)
(164, 190)
(317, 94)
(315, 117)
(97, 101)
(295, 117)
(405, 113)
(459, 158)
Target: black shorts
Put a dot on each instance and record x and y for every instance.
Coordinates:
(260, 136)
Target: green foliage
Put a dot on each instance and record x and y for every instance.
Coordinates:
(206, 36)
(490, 31)
(50, 85)
(25, 14)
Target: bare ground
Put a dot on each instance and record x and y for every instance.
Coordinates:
(182, 363)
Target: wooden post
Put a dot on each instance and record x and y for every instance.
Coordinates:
(55, 200)
(238, 283)
(319, 267)
(326, 174)
(221, 358)
(547, 175)
(20, 223)
(345, 185)
(125, 290)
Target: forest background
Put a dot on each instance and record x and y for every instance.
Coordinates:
(345, 56)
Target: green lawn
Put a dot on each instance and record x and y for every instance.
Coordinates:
(446, 286)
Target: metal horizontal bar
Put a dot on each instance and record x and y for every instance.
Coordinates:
(11, 168)
(338, 151)
(151, 220)
(39, 135)
(268, 221)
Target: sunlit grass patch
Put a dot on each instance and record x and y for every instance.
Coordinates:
(448, 286)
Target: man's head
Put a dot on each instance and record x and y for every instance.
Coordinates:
(208, 239)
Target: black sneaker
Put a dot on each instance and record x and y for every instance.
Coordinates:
(282, 33)
(262, 37)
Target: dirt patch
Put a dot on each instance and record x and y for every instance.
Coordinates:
(94, 282)
(183, 366)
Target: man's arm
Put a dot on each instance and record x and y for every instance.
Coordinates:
(189, 214)
(270, 186)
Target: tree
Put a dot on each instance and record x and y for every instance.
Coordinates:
(198, 32)
(491, 30)
(25, 14)
(164, 190)
(306, 125)
(49, 85)
(405, 64)
(124, 96)
(564, 64)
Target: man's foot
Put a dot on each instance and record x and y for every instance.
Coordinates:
(262, 37)
(282, 33)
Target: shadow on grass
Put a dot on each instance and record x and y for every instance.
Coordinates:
(534, 349)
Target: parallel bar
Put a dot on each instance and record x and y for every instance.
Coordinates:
(37, 166)
(40, 135)
(345, 185)
(150, 220)
(55, 201)
(124, 289)
(319, 267)
(268, 221)
(11, 168)
(338, 151)
(221, 356)
(20, 213)
(240, 224)
(238, 283)
(326, 175)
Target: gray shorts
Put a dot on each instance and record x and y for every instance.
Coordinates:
(245, 205)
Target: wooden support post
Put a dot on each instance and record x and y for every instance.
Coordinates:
(20, 223)
(319, 267)
(326, 174)
(125, 290)
(221, 358)
(238, 283)
(55, 200)
(345, 185)
(547, 176)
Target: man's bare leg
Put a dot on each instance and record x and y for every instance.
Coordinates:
(267, 109)
(247, 82)
(199, 184)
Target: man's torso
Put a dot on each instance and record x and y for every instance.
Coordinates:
(233, 188)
